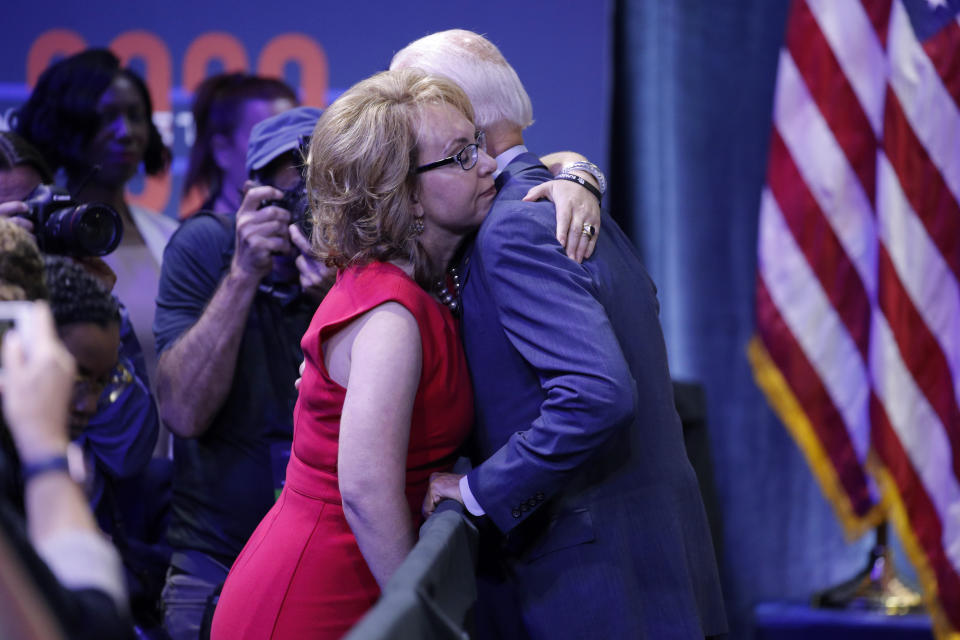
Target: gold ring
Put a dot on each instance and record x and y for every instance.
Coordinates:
(588, 230)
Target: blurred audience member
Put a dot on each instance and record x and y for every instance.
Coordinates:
(92, 119)
(230, 316)
(61, 554)
(130, 493)
(225, 108)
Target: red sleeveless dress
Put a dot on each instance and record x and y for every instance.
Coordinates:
(301, 574)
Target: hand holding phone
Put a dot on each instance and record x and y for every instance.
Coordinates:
(36, 381)
(14, 314)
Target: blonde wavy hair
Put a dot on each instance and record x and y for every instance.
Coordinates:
(361, 170)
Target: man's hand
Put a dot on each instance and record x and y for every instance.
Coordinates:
(315, 276)
(260, 232)
(442, 485)
(14, 211)
(575, 207)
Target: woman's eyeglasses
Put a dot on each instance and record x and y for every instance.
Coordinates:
(466, 157)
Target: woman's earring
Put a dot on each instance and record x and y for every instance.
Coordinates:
(416, 227)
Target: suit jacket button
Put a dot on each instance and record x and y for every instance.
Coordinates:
(524, 507)
(539, 495)
(515, 513)
(532, 502)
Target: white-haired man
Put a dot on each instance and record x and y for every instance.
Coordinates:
(580, 462)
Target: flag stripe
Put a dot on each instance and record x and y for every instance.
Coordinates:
(921, 512)
(923, 101)
(831, 89)
(878, 13)
(931, 289)
(826, 421)
(917, 428)
(922, 184)
(854, 52)
(942, 48)
(814, 324)
(823, 166)
(815, 237)
(922, 355)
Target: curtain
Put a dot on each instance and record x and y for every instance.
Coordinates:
(692, 104)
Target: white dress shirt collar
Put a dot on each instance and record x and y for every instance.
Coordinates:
(507, 157)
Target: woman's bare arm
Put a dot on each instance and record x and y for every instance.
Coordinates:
(384, 371)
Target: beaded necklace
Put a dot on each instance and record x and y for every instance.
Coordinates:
(444, 293)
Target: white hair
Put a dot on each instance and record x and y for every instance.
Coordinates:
(474, 63)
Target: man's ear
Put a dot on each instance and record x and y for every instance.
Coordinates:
(222, 151)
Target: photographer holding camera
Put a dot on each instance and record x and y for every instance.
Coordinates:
(233, 305)
(92, 118)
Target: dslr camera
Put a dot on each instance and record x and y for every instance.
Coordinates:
(295, 201)
(65, 227)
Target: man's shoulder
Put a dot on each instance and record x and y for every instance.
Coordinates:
(508, 218)
(210, 233)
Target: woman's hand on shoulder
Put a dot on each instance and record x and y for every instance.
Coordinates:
(576, 209)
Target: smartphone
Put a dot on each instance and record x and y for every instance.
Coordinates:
(14, 314)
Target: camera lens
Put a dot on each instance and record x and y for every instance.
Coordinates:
(87, 229)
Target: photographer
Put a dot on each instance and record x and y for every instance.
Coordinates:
(22, 169)
(27, 196)
(225, 108)
(230, 315)
(92, 118)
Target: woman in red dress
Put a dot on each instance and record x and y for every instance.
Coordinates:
(397, 176)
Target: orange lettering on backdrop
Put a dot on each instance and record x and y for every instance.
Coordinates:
(215, 45)
(158, 70)
(47, 46)
(308, 54)
(158, 67)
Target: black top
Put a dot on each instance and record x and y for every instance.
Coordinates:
(225, 481)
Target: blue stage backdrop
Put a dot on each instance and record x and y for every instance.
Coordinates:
(560, 49)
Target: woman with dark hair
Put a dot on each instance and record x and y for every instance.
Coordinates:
(92, 119)
(225, 108)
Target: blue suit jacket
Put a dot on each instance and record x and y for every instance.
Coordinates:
(579, 449)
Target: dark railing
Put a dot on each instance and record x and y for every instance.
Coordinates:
(433, 592)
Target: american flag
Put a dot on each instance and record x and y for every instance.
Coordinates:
(858, 281)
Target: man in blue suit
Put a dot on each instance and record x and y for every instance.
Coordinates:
(600, 529)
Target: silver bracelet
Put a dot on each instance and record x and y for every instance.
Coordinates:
(592, 169)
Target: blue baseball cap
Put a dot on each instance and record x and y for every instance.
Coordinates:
(279, 134)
